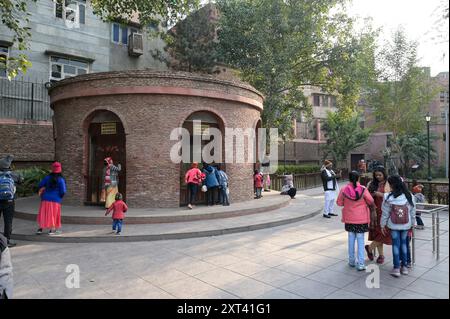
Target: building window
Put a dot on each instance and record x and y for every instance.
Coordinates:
(120, 33)
(61, 68)
(333, 101)
(4, 54)
(71, 11)
(316, 100)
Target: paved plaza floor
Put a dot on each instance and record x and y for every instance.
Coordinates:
(302, 260)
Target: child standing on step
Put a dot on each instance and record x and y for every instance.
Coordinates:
(118, 208)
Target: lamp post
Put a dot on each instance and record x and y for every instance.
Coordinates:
(428, 119)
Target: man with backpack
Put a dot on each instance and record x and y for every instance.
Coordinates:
(6, 270)
(8, 180)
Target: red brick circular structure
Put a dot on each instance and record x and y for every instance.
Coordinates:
(146, 106)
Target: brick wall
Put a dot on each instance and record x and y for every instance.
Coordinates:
(148, 119)
(30, 142)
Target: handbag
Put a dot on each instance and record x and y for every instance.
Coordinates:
(204, 189)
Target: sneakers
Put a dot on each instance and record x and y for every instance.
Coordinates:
(380, 259)
(39, 231)
(360, 267)
(409, 266)
(332, 214)
(419, 227)
(351, 264)
(118, 233)
(404, 271)
(369, 253)
(395, 273)
(54, 232)
(326, 216)
(190, 206)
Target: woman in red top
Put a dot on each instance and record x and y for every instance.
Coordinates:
(193, 179)
(377, 189)
(258, 179)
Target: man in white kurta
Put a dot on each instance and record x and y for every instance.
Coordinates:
(330, 187)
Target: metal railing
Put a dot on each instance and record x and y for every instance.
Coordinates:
(301, 181)
(24, 100)
(433, 210)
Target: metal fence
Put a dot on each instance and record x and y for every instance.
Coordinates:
(24, 100)
(301, 181)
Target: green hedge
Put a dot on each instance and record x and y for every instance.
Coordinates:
(32, 177)
(298, 169)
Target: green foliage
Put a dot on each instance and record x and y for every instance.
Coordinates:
(148, 11)
(191, 45)
(343, 134)
(15, 17)
(298, 169)
(403, 89)
(32, 177)
(414, 149)
(281, 46)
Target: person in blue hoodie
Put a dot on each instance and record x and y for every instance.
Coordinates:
(398, 214)
(211, 182)
(223, 186)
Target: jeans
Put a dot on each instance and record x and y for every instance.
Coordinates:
(258, 192)
(224, 196)
(399, 247)
(359, 237)
(211, 195)
(193, 189)
(7, 209)
(117, 223)
(408, 254)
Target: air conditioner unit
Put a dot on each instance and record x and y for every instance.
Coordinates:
(135, 44)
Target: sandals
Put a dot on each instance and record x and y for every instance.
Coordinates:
(369, 253)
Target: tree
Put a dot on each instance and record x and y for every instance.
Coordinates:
(191, 45)
(15, 17)
(403, 91)
(414, 149)
(281, 46)
(343, 134)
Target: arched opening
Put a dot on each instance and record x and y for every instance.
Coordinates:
(105, 138)
(208, 120)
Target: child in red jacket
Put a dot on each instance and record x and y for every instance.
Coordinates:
(258, 180)
(118, 208)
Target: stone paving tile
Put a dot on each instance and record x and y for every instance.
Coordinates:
(215, 293)
(275, 277)
(247, 288)
(430, 288)
(437, 276)
(402, 282)
(343, 294)
(298, 268)
(221, 260)
(343, 267)
(384, 292)
(164, 277)
(278, 294)
(219, 277)
(246, 268)
(196, 268)
(405, 294)
(321, 261)
(186, 288)
(333, 278)
(270, 260)
(443, 266)
(309, 288)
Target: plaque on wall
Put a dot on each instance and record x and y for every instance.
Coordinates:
(108, 128)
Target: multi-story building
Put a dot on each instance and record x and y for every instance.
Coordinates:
(67, 39)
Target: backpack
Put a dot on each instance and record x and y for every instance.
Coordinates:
(399, 214)
(7, 188)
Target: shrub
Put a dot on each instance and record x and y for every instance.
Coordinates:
(298, 169)
(32, 177)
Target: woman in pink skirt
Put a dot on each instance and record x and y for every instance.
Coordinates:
(51, 189)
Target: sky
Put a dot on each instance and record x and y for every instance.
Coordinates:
(417, 18)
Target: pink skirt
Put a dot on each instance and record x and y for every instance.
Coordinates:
(49, 215)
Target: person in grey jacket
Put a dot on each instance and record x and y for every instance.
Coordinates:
(398, 214)
(6, 270)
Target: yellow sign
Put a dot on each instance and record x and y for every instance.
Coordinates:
(203, 129)
(109, 128)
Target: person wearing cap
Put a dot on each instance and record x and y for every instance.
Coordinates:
(52, 190)
(8, 182)
(329, 180)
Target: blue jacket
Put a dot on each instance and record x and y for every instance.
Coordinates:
(53, 194)
(212, 178)
(223, 179)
